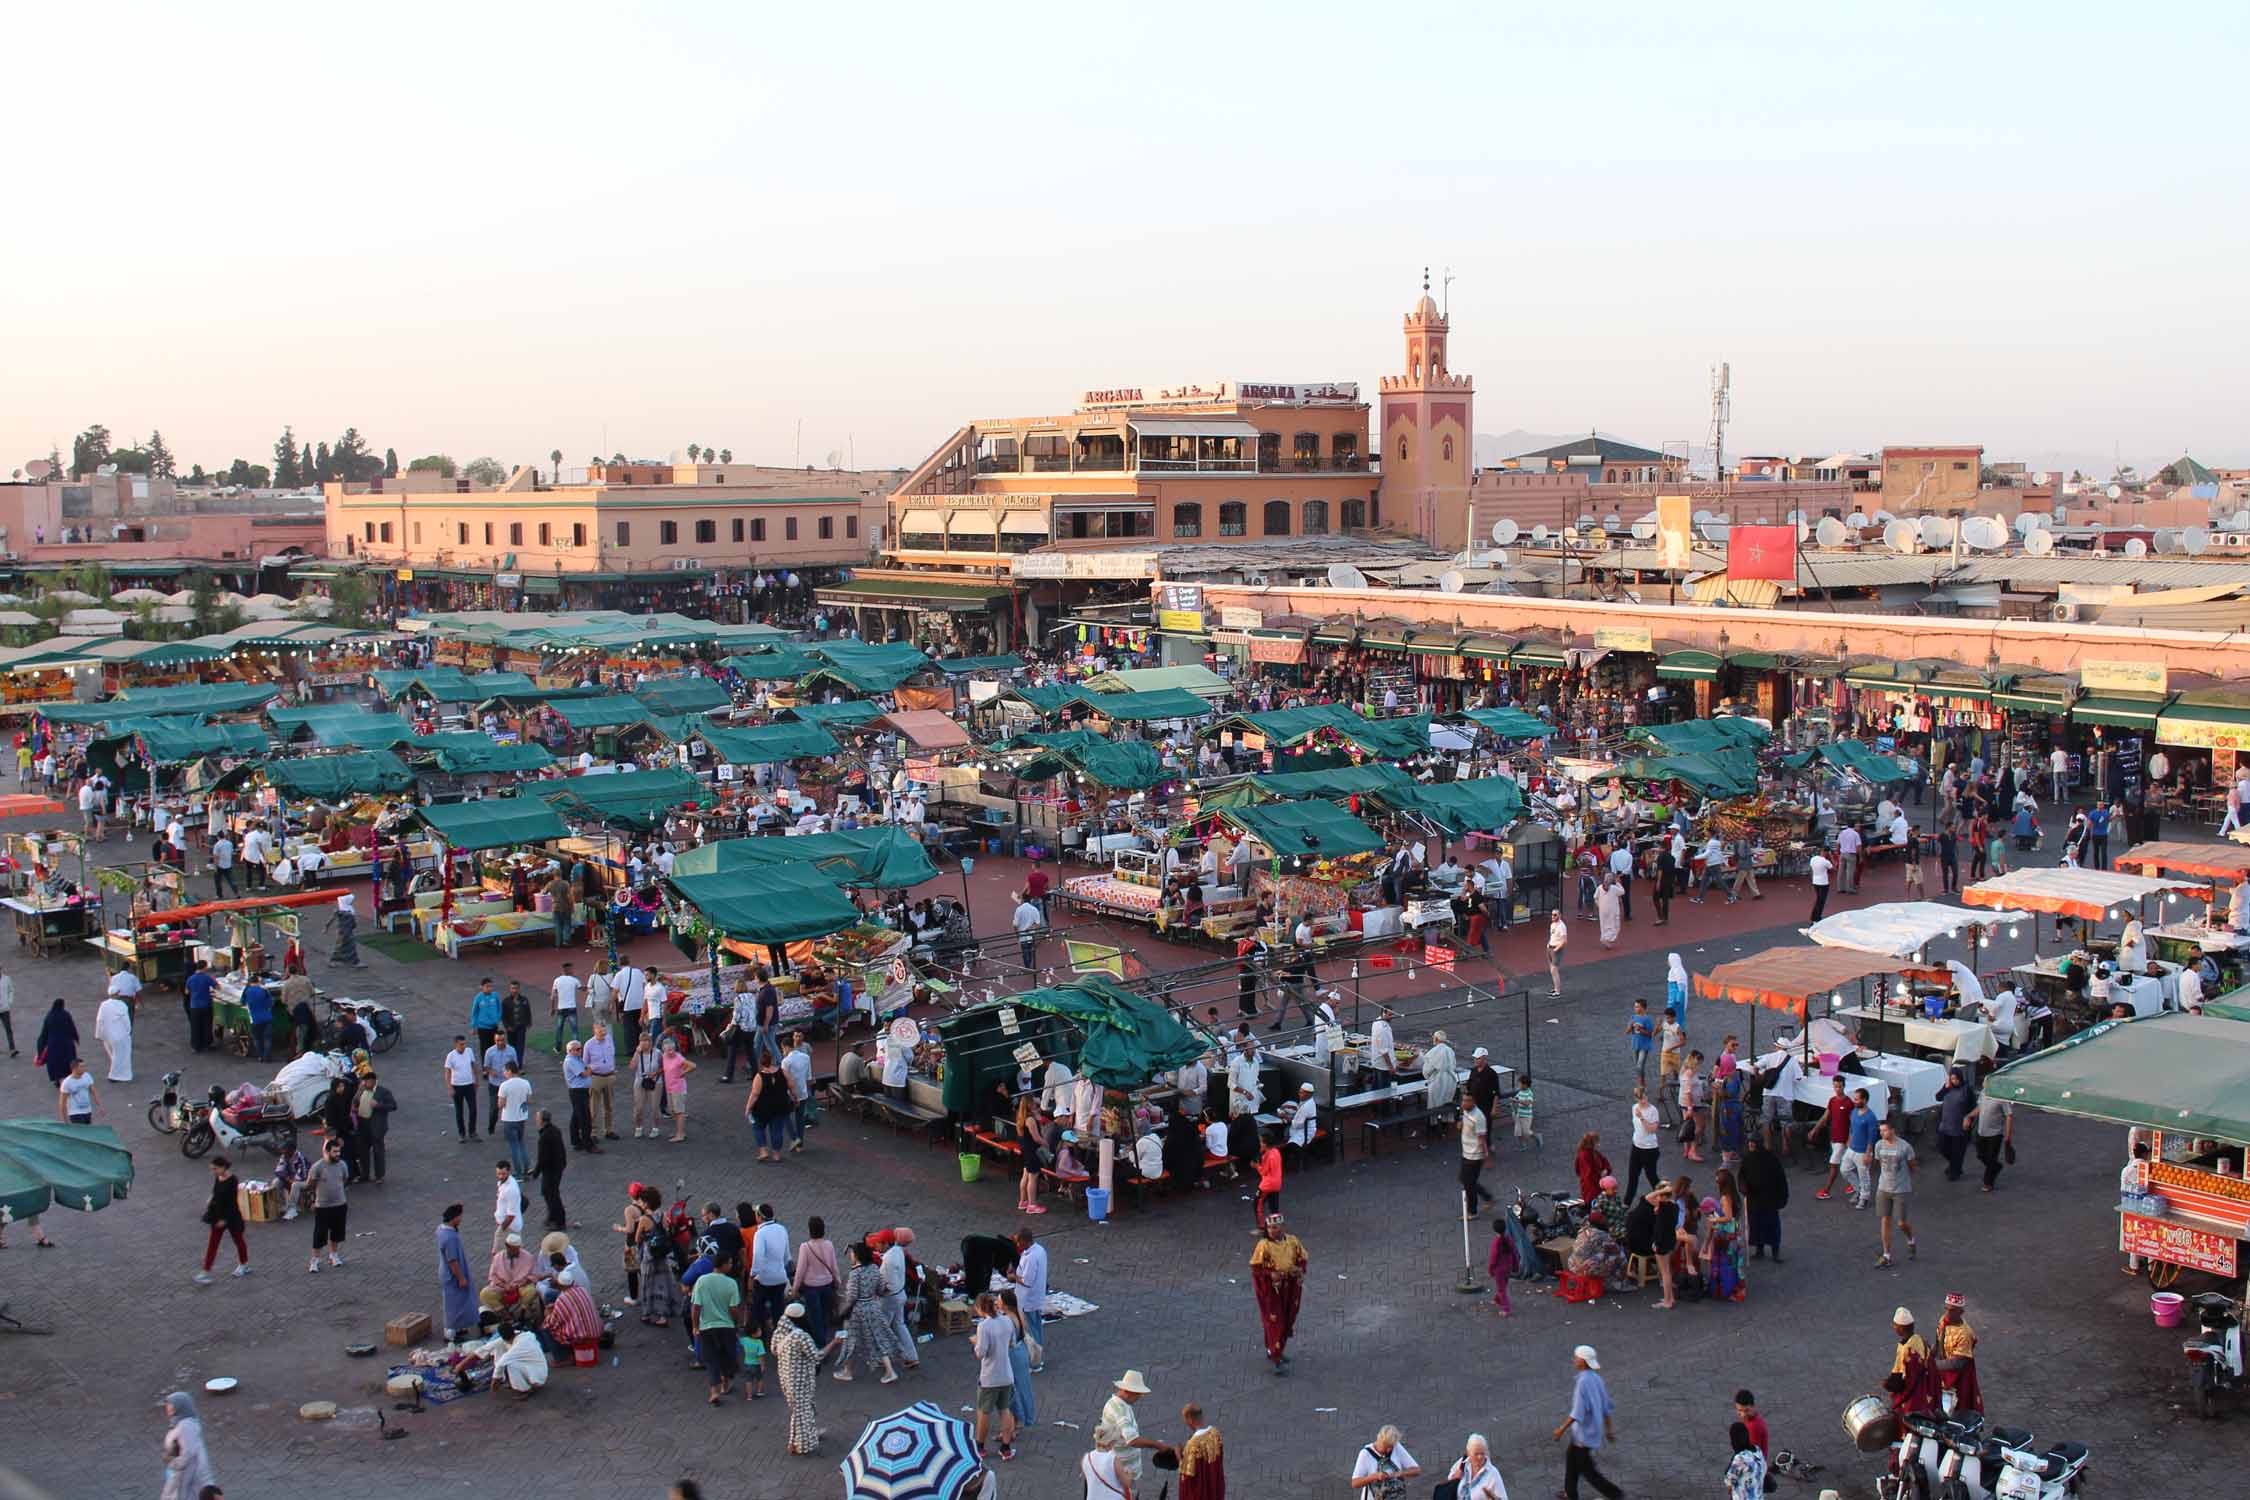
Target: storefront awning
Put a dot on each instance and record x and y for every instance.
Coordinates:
(891, 593)
(1341, 633)
(922, 520)
(1538, 654)
(1023, 523)
(1688, 666)
(1488, 647)
(1222, 428)
(2214, 721)
(2036, 695)
(969, 523)
(2120, 710)
(1434, 643)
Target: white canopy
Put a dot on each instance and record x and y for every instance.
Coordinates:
(2088, 895)
(1900, 928)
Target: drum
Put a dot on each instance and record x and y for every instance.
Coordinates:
(1871, 1424)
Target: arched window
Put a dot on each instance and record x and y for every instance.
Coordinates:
(1316, 518)
(1448, 450)
(1402, 447)
(1276, 520)
(1187, 520)
(1234, 518)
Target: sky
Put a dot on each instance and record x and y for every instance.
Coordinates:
(793, 231)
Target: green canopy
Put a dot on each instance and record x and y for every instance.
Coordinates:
(448, 684)
(628, 799)
(1113, 1036)
(494, 823)
(865, 668)
(858, 711)
(788, 740)
(601, 713)
(2234, 1005)
(1288, 728)
(1162, 703)
(2173, 1072)
(331, 778)
(1510, 723)
(884, 858)
(1699, 736)
(1318, 830)
(1457, 807)
(191, 698)
(366, 732)
(1855, 757)
(1196, 679)
(469, 753)
(47, 1164)
(768, 904)
(1046, 698)
(1122, 765)
(170, 742)
(1711, 776)
(1334, 784)
(782, 664)
(683, 695)
(960, 666)
(291, 720)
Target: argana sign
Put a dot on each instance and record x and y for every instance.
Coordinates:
(1222, 393)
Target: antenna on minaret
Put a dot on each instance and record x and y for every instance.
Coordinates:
(1722, 407)
(1445, 296)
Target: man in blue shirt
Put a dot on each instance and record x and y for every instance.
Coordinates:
(1642, 1029)
(258, 1000)
(484, 1014)
(2097, 834)
(200, 988)
(1590, 1424)
(1855, 1152)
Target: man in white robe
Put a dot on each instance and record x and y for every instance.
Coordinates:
(113, 1027)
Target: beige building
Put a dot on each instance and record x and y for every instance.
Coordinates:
(1940, 479)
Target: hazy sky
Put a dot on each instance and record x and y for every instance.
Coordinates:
(503, 229)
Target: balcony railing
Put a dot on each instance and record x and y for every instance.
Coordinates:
(993, 464)
(1101, 463)
(1050, 463)
(1200, 466)
(1313, 463)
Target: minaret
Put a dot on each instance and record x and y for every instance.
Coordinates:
(1429, 435)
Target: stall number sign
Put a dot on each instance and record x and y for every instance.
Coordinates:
(2176, 1244)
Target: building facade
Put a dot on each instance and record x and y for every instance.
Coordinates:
(1941, 479)
(1429, 434)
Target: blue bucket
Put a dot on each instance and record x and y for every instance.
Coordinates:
(1097, 1204)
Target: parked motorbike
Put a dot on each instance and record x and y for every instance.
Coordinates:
(1949, 1456)
(264, 1122)
(380, 1022)
(2215, 1355)
(1565, 1215)
(165, 1114)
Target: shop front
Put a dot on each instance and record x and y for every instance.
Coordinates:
(943, 618)
(2200, 735)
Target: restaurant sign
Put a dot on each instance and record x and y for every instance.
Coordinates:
(1222, 393)
(1623, 638)
(1291, 651)
(1084, 565)
(2124, 676)
(2202, 734)
(2176, 1244)
(1233, 617)
(1182, 621)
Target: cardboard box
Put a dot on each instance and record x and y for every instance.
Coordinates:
(955, 1316)
(407, 1331)
(260, 1205)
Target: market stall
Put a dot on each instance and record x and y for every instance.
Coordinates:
(456, 916)
(1812, 982)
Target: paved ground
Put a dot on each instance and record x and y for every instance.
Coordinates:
(2069, 1348)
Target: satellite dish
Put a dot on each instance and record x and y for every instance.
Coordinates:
(1858, 521)
(1496, 559)
(1613, 520)
(1451, 582)
(2042, 477)
(1345, 576)
(1796, 518)
(1830, 532)
(2026, 523)
(1539, 534)
(2164, 539)
(1984, 533)
(38, 469)
(2240, 520)
(1884, 518)
(2039, 543)
(1803, 530)
(1644, 531)
(2136, 548)
(1703, 518)
(1504, 531)
(1899, 537)
(1936, 531)
(1714, 531)
(2195, 541)
(2117, 492)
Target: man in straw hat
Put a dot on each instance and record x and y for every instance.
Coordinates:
(1118, 1416)
(1277, 1274)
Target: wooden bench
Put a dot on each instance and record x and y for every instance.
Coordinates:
(1371, 1130)
(1069, 1184)
(904, 1115)
(993, 1144)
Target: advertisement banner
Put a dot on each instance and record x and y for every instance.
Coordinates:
(1186, 621)
(1675, 531)
(1622, 638)
(2176, 1244)
(1291, 652)
(2124, 676)
(2202, 734)
(1762, 552)
(1233, 617)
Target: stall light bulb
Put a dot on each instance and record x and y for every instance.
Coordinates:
(1984, 942)
(2113, 914)
(2012, 932)
(1835, 997)
(1902, 986)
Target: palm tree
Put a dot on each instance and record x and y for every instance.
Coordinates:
(556, 459)
(694, 452)
(726, 455)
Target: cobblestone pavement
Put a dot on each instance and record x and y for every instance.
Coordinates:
(2068, 1345)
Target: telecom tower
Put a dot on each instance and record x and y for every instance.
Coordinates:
(1722, 404)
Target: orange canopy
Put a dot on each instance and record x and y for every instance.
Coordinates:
(29, 805)
(1785, 978)
(248, 903)
(2088, 895)
(926, 728)
(2228, 862)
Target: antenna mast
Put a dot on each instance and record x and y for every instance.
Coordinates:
(1722, 407)
(1445, 295)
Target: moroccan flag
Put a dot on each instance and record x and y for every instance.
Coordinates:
(1762, 552)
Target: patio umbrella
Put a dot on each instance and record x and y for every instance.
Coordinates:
(18, 617)
(137, 596)
(47, 1164)
(311, 604)
(72, 596)
(11, 599)
(184, 596)
(265, 607)
(916, 1454)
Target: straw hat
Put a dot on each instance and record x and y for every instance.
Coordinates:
(1132, 1383)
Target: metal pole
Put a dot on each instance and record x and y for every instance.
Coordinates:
(1468, 1285)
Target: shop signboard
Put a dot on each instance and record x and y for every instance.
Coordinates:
(1188, 621)
(1290, 652)
(1179, 606)
(2124, 676)
(1233, 617)
(1623, 638)
(2202, 734)
(2176, 1244)
(1084, 565)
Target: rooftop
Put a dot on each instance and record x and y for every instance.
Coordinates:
(1600, 449)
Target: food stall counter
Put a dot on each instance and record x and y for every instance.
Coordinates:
(44, 926)
(152, 958)
(1892, 1028)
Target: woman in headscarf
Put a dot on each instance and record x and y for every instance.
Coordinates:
(113, 1028)
(1746, 1470)
(1675, 988)
(2132, 947)
(58, 1043)
(187, 1465)
(796, 1362)
(1591, 1165)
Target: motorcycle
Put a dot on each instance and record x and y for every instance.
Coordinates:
(380, 1022)
(1566, 1217)
(1941, 1456)
(2215, 1355)
(251, 1118)
(166, 1114)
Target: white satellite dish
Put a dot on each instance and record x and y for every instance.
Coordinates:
(1803, 530)
(1451, 582)
(1936, 531)
(2042, 477)
(1796, 518)
(2136, 548)
(1984, 533)
(2026, 523)
(1884, 518)
(1702, 517)
(1644, 531)
(2117, 492)
(1504, 531)
(1539, 534)
(1612, 521)
(2195, 541)
(1715, 531)
(2039, 543)
(1899, 537)
(2239, 521)
(1830, 532)
(2164, 539)
(1858, 521)
(1345, 576)
(1496, 559)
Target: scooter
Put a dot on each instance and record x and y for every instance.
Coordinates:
(2215, 1355)
(1568, 1218)
(211, 1123)
(1943, 1457)
(2056, 1474)
(165, 1115)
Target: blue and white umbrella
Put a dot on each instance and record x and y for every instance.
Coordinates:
(916, 1454)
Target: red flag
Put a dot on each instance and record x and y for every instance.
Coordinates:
(1762, 552)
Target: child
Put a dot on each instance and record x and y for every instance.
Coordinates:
(1268, 1198)
(290, 1171)
(1913, 865)
(1500, 1264)
(1690, 1097)
(754, 1363)
(1673, 1048)
(1526, 1137)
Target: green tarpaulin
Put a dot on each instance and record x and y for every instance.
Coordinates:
(171, 743)
(1316, 830)
(884, 858)
(1196, 679)
(865, 668)
(48, 1164)
(1045, 698)
(1851, 755)
(449, 684)
(367, 732)
(858, 711)
(959, 666)
(1336, 784)
(331, 778)
(192, 698)
(1510, 723)
(1457, 807)
(627, 799)
(469, 753)
(1700, 736)
(772, 904)
(292, 721)
(2234, 1005)
(601, 713)
(1162, 703)
(1122, 765)
(1118, 1039)
(494, 823)
(1289, 728)
(2172, 1072)
(683, 695)
(783, 664)
(1710, 776)
(790, 739)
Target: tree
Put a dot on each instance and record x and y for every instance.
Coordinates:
(211, 616)
(54, 462)
(555, 458)
(433, 463)
(485, 471)
(248, 475)
(726, 455)
(161, 463)
(709, 452)
(617, 458)
(694, 452)
(322, 470)
(351, 601)
(288, 471)
(89, 450)
(390, 463)
(197, 476)
(129, 460)
(351, 459)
